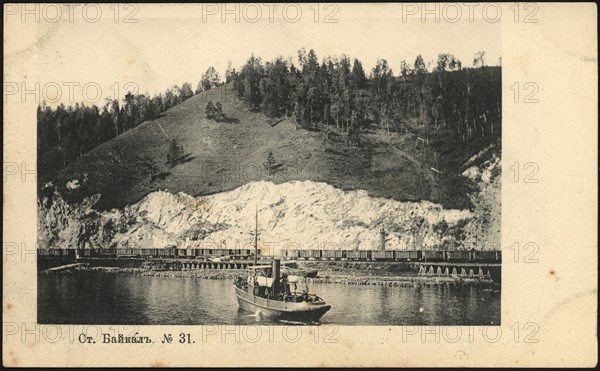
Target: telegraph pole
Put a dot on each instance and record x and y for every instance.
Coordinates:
(256, 237)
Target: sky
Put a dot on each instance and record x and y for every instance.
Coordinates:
(173, 44)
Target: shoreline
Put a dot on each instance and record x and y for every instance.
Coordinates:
(341, 279)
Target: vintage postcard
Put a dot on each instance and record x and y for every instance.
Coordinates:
(285, 184)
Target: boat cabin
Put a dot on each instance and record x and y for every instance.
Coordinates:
(267, 281)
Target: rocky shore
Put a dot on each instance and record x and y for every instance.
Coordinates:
(343, 279)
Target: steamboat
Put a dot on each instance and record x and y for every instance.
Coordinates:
(269, 292)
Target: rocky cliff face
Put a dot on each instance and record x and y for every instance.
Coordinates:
(483, 231)
(298, 214)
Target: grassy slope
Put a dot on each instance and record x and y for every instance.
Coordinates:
(223, 156)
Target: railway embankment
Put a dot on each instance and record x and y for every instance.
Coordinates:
(404, 274)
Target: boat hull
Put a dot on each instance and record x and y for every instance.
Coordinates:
(289, 311)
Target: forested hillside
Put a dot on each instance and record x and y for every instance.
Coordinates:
(404, 136)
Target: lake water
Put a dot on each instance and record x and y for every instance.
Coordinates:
(108, 298)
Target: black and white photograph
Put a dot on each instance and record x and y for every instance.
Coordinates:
(313, 172)
(300, 185)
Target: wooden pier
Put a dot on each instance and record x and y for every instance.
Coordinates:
(64, 267)
(187, 265)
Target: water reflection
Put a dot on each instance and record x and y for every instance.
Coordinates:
(101, 298)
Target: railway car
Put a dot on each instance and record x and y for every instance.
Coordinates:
(433, 255)
(358, 254)
(365, 254)
(328, 254)
(239, 254)
(215, 252)
(491, 256)
(387, 255)
(338, 254)
(206, 252)
(148, 252)
(107, 252)
(303, 254)
(88, 253)
(195, 253)
(315, 254)
(457, 255)
(121, 251)
(56, 252)
(171, 251)
(293, 254)
(352, 254)
(497, 256)
(406, 255)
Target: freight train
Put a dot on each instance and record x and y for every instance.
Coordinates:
(169, 252)
(487, 256)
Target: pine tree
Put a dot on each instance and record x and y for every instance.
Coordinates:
(269, 164)
(219, 112)
(358, 79)
(210, 79)
(210, 110)
(420, 65)
(175, 153)
(479, 60)
(229, 72)
(404, 69)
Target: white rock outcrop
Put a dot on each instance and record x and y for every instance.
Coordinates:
(298, 214)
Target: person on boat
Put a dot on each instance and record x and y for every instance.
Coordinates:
(304, 295)
(285, 284)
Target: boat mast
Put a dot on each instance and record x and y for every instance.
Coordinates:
(256, 237)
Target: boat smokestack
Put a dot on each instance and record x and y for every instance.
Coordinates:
(276, 270)
(382, 239)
